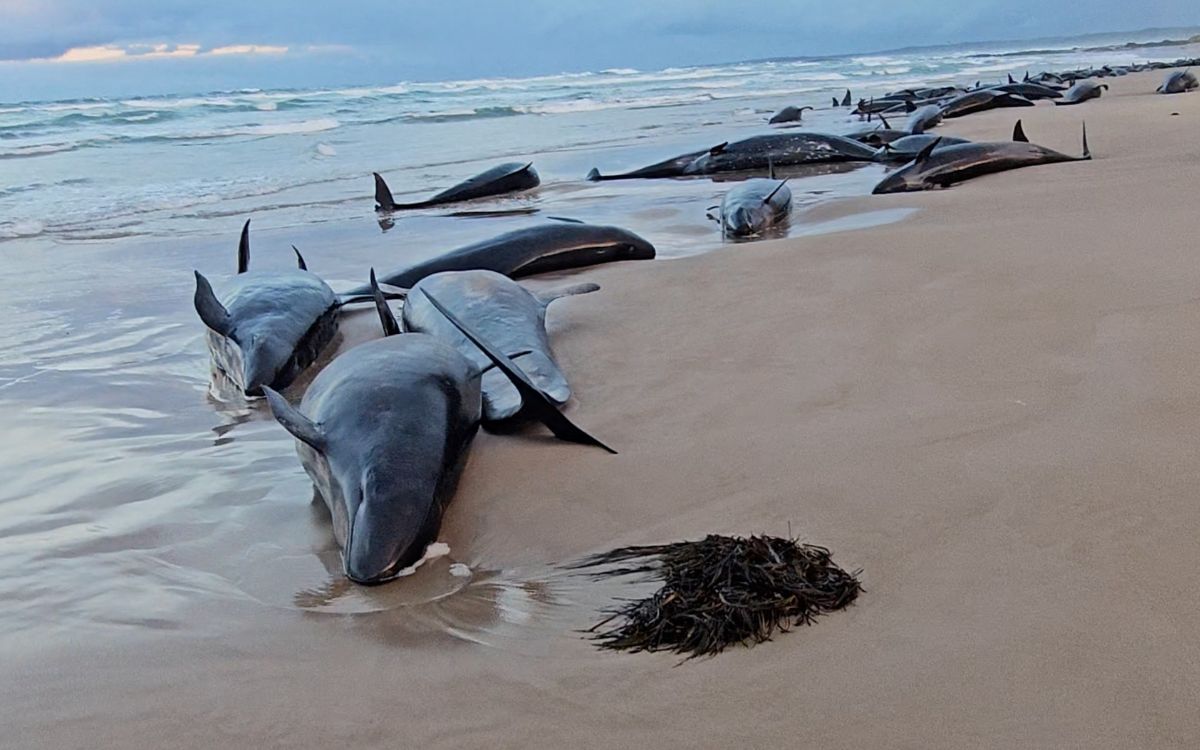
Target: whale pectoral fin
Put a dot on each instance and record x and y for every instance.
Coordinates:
(383, 195)
(301, 427)
(299, 259)
(535, 402)
(547, 297)
(386, 318)
(244, 248)
(210, 309)
(1019, 133)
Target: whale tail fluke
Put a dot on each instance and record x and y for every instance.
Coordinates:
(383, 195)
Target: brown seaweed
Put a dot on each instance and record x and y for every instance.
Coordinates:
(718, 592)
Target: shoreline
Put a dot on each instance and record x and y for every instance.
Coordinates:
(989, 406)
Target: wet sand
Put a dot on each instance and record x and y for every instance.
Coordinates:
(990, 407)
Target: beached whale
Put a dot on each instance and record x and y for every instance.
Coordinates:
(499, 180)
(756, 152)
(877, 135)
(523, 252)
(923, 118)
(752, 206)
(266, 326)
(1029, 90)
(383, 433)
(788, 114)
(942, 167)
(506, 314)
(907, 148)
(1081, 92)
(1179, 82)
(981, 100)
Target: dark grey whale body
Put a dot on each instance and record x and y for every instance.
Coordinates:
(788, 114)
(756, 152)
(907, 148)
(754, 205)
(499, 180)
(1179, 82)
(506, 314)
(537, 249)
(266, 327)
(383, 432)
(923, 118)
(1081, 92)
(941, 167)
(981, 100)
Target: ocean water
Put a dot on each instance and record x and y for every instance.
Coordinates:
(195, 163)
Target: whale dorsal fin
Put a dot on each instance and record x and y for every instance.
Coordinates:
(301, 427)
(549, 296)
(210, 309)
(537, 403)
(244, 248)
(1019, 133)
(386, 318)
(1087, 152)
(718, 149)
(925, 152)
(909, 106)
(835, 101)
(1011, 79)
(299, 259)
(383, 195)
(847, 99)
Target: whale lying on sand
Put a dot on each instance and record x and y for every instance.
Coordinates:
(942, 167)
(383, 432)
(500, 180)
(523, 252)
(752, 206)
(756, 152)
(504, 313)
(1081, 92)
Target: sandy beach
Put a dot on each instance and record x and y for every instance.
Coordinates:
(990, 407)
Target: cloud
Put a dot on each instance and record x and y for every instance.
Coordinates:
(109, 53)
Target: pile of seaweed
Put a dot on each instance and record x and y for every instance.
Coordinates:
(719, 591)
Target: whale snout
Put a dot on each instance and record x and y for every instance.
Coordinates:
(388, 533)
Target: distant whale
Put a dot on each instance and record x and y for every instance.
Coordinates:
(980, 100)
(1081, 92)
(756, 152)
(500, 180)
(788, 114)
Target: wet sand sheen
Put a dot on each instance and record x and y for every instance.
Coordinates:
(990, 407)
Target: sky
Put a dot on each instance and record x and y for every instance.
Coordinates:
(69, 48)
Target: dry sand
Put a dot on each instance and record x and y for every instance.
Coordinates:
(990, 407)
